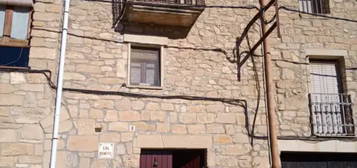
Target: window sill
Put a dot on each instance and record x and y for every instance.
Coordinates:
(4, 67)
(10, 42)
(144, 87)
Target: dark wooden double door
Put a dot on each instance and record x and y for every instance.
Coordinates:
(172, 158)
(319, 160)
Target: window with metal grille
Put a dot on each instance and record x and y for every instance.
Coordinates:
(315, 6)
(145, 66)
(331, 109)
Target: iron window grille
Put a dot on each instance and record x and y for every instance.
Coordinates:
(315, 6)
(331, 115)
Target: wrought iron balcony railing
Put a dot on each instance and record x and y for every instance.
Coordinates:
(176, 2)
(331, 115)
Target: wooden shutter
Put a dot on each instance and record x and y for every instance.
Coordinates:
(324, 78)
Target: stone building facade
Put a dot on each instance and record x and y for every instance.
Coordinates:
(200, 103)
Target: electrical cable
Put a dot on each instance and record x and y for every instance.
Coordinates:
(241, 102)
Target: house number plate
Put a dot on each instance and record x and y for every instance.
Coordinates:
(106, 151)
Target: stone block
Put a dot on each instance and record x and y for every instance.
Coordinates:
(118, 126)
(158, 116)
(152, 107)
(46, 53)
(104, 104)
(111, 115)
(13, 149)
(205, 117)
(162, 127)
(129, 116)
(85, 126)
(226, 118)
(84, 163)
(6, 161)
(7, 88)
(137, 105)
(8, 135)
(215, 108)
(126, 137)
(196, 129)
(82, 143)
(215, 129)
(96, 114)
(88, 68)
(30, 159)
(187, 141)
(222, 139)
(236, 149)
(73, 76)
(110, 137)
(123, 105)
(143, 126)
(188, 118)
(17, 78)
(32, 132)
(178, 129)
(167, 107)
(197, 108)
(11, 99)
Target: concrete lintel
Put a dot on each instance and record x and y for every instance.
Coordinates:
(174, 141)
(145, 39)
(313, 146)
(326, 52)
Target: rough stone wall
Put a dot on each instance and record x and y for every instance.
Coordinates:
(300, 33)
(26, 100)
(97, 60)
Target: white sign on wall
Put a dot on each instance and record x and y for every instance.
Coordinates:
(106, 151)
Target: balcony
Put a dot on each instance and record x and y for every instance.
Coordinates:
(182, 13)
(331, 115)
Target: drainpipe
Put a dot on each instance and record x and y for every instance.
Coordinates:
(59, 85)
(272, 119)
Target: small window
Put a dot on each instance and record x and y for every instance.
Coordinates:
(315, 6)
(14, 35)
(145, 66)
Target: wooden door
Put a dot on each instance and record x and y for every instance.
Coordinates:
(193, 163)
(156, 159)
(174, 158)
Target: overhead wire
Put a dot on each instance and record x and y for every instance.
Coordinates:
(52, 85)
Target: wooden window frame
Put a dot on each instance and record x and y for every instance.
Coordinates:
(161, 67)
(6, 40)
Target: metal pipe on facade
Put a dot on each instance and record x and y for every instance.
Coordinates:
(272, 119)
(59, 85)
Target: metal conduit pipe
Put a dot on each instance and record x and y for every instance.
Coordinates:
(59, 90)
